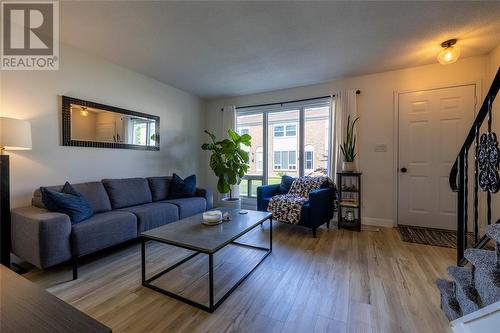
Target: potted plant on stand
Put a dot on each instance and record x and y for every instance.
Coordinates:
(349, 147)
(229, 163)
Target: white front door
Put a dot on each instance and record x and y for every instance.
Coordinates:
(432, 128)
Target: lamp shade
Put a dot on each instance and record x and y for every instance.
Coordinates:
(15, 134)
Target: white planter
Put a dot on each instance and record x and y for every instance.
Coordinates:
(235, 203)
(348, 166)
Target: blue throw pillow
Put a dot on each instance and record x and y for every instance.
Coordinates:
(286, 183)
(182, 188)
(69, 201)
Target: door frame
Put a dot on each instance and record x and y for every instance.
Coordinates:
(477, 91)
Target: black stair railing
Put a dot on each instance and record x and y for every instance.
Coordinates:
(486, 158)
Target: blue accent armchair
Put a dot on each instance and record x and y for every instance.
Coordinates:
(316, 211)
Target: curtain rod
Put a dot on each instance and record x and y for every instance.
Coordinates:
(281, 103)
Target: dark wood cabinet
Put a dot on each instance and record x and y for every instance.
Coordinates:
(26, 308)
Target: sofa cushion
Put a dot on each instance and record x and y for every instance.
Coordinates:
(160, 186)
(182, 188)
(127, 192)
(68, 201)
(189, 206)
(103, 230)
(94, 192)
(153, 215)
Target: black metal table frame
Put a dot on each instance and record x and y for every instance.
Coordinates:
(211, 305)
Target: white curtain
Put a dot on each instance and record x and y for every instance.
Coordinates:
(229, 122)
(342, 105)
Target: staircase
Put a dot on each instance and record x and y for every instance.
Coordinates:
(473, 287)
(475, 281)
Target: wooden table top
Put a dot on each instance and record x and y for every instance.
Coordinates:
(25, 307)
(190, 233)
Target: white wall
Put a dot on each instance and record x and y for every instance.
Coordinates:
(35, 96)
(376, 126)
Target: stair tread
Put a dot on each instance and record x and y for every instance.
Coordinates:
(461, 275)
(481, 259)
(466, 293)
(493, 231)
(449, 303)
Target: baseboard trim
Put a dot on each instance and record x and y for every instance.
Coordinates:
(388, 223)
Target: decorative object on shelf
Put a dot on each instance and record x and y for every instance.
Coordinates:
(229, 163)
(15, 134)
(349, 147)
(349, 215)
(90, 124)
(226, 216)
(488, 158)
(450, 52)
(349, 207)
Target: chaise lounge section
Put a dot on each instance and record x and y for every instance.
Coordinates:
(123, 208)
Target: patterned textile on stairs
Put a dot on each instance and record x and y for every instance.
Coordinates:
(287, 207)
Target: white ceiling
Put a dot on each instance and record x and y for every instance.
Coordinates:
(215, 49)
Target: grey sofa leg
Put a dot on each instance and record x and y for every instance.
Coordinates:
(314, 232)
(74, 263)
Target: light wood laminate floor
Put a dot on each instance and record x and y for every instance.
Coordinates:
(342, 281)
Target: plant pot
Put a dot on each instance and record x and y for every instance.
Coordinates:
(348, 166)
(231, 203)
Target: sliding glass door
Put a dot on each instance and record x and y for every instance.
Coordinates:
(287, 139)
(283, 145)
(252, 124)
(316, 141)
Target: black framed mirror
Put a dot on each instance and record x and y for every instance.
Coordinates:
(90, 124)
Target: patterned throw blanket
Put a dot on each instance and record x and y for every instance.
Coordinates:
(286, 207)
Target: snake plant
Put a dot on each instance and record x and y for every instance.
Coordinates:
(349, 146)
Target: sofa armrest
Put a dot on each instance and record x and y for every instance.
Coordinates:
(266, 191)
(41, 237)
(208, 195)
(321, 203)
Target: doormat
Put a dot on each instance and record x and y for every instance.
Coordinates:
(429, 236)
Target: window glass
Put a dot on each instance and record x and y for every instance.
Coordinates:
(278, 131)
(291, 130)
(259, 152)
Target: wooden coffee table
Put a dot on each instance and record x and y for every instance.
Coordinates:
(191, 234)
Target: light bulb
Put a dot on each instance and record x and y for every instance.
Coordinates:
(449, 54)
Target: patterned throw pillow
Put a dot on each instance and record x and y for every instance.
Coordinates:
(69, 201)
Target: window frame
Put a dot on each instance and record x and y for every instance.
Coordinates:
(268, 135)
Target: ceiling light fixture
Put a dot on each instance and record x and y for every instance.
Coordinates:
(450, 52)
(84, 111)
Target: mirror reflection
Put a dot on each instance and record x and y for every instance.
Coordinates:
(98, 125)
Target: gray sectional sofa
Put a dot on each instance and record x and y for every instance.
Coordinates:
(123, 208)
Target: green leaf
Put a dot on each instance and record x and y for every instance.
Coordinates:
(233, 135)
(244, 155)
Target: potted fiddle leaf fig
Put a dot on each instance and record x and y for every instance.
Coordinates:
(229, 162)
(349, 147)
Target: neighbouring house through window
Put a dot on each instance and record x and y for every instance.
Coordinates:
(285, 160)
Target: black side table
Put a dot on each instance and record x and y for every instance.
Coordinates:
(349, 188)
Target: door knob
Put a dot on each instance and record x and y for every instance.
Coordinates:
(403, 170)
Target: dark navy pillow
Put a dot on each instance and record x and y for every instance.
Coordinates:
(69, 201)
(182, 188)
(286, 183)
